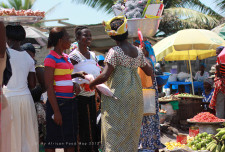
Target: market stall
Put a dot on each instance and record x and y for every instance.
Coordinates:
(189, 106)
(182, 46)
(175, 85)
(206, 135)
(181, 107)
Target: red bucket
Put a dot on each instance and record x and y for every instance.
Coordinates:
(193, 131)
(181, 138)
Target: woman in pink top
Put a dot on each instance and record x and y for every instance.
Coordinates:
(61, 112)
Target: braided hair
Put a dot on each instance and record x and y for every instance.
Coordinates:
(78, 30)
(114, 26)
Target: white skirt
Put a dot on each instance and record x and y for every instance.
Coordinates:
(5, 126)
(24, 126)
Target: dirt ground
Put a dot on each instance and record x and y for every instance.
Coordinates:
(164, 138)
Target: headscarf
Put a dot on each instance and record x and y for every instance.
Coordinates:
(151, 52)
(220, 48)
(28, 47)
(121, 30)
(209, 81)
(73, 46)
(203, 64)
(100, 58)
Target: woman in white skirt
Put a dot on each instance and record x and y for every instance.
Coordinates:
(24, 127)
(5, 122)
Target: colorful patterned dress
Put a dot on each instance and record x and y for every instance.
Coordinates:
(121, 118)
(150, 130)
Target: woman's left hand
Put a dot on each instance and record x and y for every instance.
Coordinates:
(76, 88)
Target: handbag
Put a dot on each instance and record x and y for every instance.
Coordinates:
(146, 81)
(149, 102)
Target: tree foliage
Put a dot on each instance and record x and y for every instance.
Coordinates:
(177, 15)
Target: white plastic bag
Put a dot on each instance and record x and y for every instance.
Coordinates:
(182, 76)
(172, 78)
(169, 109)
(149, 102)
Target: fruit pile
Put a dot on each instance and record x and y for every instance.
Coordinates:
(188, 95)
(13, 12)
(209, 142)
(162, 111)
(169, 98)
(206, 117)
(201, 141)
(173, 145)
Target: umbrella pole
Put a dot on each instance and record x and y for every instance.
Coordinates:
(192, 84)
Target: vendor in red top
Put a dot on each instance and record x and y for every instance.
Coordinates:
(61, 107)
(218, 99)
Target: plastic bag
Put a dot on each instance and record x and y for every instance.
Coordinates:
(182, 76)
(169, 108)
(149, 102)
(172, 78)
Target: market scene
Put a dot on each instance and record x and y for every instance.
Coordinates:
(112, 76)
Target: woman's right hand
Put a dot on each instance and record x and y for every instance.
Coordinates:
(58, 118)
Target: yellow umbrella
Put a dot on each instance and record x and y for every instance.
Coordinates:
(188, 44)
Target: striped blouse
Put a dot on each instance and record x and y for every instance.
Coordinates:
(63, 84)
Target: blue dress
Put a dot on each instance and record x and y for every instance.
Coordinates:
(150, 130)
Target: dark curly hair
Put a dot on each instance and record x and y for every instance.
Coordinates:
(114, 26)
(78, 30)
(15, 32)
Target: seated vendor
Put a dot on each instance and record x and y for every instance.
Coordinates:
(207, 93)
(202, 74)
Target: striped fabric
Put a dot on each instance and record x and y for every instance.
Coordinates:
(63, 84)
(222, 69)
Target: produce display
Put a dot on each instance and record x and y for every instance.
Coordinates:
(174, 145)
(206, 117)
(169, 98)
(184, 95)
(201, 141)
(209, 142)
(162, 111)
(13, 12)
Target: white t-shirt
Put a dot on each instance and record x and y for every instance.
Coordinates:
(198, 76)
(87, 65)
(21, 64)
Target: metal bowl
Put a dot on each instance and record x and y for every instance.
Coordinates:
(148, 26)
(20, 19)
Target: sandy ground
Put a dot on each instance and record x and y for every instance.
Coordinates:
(164, 138)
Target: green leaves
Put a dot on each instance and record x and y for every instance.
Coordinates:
(99, 4)
(190, 15)
(18, 4)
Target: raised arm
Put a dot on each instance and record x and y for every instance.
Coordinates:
(2, 40)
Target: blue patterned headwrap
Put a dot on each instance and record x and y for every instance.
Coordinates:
(151, 52)
(203, 64)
